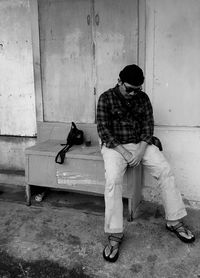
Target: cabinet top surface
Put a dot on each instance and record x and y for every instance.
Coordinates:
(52, 147)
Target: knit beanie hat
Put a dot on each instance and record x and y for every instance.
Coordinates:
(132, 74)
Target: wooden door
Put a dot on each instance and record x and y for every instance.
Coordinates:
(67, 60)
(84, 45)
(116, 38)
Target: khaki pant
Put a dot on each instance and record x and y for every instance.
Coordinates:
(159, 168)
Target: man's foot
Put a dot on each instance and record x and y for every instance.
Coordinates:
(111, 251)
(181, 231)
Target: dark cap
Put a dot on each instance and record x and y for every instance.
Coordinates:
(132, 74)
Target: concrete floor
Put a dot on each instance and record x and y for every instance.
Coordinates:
(63, 237)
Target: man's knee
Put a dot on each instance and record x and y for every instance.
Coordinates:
(113, 182)
(165, 171)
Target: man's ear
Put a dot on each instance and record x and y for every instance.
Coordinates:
(120, 82)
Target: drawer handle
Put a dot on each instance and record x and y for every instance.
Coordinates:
(88, 19)
(97, 19)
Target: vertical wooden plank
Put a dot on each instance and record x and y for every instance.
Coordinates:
(28, 187)
(150, 49)
(116, 24)
(66, 56)
(36, 58)
(142, 33)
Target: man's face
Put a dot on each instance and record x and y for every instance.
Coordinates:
(130, 88)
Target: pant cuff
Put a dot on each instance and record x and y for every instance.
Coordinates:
(113, 231)
(176, 216)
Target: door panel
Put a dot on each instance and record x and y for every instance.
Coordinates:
(67, 61)
(116, 25)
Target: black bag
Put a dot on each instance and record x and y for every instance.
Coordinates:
(75, 137)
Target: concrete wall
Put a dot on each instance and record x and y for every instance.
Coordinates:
(173, 84)
(17, 95)
(12, 160)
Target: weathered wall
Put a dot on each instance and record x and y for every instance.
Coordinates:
(17, 96)
(173, 84)
(12, 160)
(17, 100)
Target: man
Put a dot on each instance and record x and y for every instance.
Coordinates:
(125, 126)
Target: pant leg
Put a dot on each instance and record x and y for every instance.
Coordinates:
(159, 168)
(115, 167)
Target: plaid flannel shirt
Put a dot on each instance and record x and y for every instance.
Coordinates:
(118, 125)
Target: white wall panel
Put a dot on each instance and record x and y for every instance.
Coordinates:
(173, 64)
(17, 100)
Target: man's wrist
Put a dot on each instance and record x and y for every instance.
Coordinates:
(123, 151)
(143, 145)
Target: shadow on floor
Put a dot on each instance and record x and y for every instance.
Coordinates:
(10, 267)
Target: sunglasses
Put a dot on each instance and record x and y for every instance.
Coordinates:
(131, 89)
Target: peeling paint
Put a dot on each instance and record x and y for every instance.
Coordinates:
(75, 178)
(79, 182)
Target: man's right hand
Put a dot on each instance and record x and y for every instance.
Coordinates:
(126, 154)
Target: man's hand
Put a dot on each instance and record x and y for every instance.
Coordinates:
(133, 159)
(139, 153)
(125, 153)
(129, 157)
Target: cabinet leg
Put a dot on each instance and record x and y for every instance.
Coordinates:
(28, 195)
(130, 211)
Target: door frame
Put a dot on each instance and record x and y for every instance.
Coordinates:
(34, 17)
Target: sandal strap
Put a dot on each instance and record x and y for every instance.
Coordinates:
(115, 238)
(181, 231)
(112, 247)
(180, 228)
(115, 246)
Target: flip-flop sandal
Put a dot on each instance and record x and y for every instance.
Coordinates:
(112, 248)
(39, 197)
(180, 228)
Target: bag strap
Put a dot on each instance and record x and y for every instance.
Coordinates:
(60, 157)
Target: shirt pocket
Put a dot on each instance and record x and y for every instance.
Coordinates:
(118, 114)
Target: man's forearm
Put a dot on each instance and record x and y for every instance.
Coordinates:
(126, 154)
(123, 151)
(143, 146)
